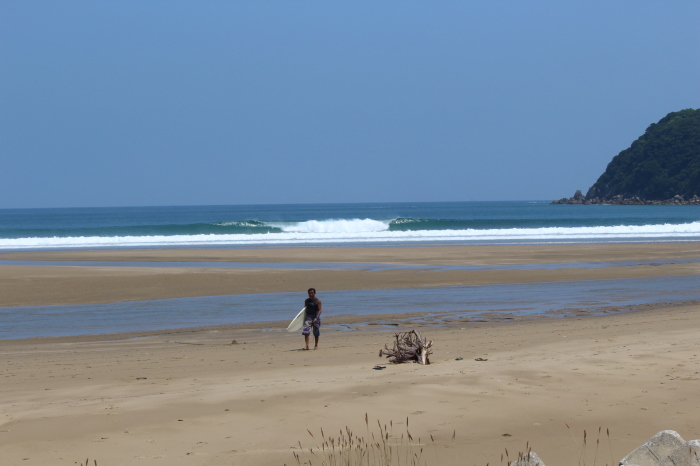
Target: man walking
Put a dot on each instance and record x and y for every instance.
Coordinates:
(312, 318)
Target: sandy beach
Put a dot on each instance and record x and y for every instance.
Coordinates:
(237, 395)
(22, 285)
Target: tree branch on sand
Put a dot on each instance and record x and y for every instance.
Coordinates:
(408, 347)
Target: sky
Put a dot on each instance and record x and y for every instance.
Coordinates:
(137, 103)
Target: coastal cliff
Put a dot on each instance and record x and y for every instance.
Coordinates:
(661, 167)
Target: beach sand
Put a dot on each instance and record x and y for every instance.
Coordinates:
(192, 397)
(22, 285)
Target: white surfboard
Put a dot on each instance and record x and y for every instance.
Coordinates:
(297, 322)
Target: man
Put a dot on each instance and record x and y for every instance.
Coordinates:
(312, 318)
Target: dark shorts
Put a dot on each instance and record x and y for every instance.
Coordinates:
(308, 323)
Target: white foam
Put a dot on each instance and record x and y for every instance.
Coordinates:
(356, 225)
(360, 231)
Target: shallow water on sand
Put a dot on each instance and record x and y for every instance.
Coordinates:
(369, 266)
(469, 302)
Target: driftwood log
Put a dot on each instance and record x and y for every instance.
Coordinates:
(408, 347)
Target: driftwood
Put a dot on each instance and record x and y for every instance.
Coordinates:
(408, 347)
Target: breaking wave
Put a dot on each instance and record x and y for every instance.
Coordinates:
(400, 230)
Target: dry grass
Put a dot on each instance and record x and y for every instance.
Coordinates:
(377, 447)
(381, 447)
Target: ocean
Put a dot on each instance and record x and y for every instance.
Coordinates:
(535, 222)
(290, 225)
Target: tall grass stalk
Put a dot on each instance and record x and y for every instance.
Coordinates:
(597, 443)
(583, 450)
(375, 448)
(381, 447)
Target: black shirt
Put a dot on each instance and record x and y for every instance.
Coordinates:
(311, 307)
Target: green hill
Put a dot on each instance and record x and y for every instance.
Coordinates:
(660, 165)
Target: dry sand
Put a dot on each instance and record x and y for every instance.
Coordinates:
(190, 397)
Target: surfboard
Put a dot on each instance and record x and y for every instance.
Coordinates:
(297, 322)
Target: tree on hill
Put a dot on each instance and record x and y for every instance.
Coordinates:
(664, 162)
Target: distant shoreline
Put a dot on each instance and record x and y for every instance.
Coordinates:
(579, 198)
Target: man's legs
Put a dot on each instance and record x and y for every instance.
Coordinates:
(317, 332)
(309, 326)
(306, 330)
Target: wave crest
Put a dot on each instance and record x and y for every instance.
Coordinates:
(363, 231)
(409, 221)
(356, 225)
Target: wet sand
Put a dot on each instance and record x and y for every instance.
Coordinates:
(191, 397)
(22, 285)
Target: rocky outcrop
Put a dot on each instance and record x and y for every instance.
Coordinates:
(685, 455)
(579, 198)
(666, 448)
(528, 459)
(659, 166)
(654, 450)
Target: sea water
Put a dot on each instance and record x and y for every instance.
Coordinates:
(343, 224)
(502, 301)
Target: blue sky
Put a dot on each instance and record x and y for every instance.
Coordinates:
(221, 102)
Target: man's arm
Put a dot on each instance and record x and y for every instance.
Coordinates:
(320, 308)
